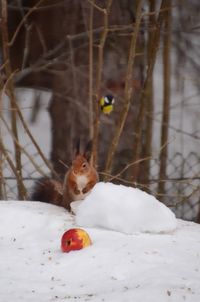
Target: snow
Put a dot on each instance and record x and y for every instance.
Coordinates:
(124, 209)
(117, 267)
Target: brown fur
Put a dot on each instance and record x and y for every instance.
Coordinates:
(79, 180)
(80, 168)
(48, 190)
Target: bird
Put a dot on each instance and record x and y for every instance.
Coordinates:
(106, 103)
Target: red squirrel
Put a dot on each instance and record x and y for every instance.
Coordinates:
(78, 182)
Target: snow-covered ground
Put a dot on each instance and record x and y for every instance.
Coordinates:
(117, 267)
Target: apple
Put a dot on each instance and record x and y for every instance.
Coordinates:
(75, 239)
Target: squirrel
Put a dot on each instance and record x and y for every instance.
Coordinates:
(78, 181)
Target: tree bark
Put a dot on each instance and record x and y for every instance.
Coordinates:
(127, 92)
(149, 103)
(59, 61)
(148, 79)
(166, 99)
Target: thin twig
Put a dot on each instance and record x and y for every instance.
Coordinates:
(126, 168)
(140, 118)
(23, 149)
(166, 97)
(91, 129)
(96, 6)
(64, 164)
(128, 90)
(26, 128)
(11, 164)
(2, 180)
(33, 9)
(46, 7)
(11, 95)
(98, 81)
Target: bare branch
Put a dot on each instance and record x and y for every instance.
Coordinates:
(139, 123)
(10, 93)
(128, 90)
(91, 129)
(34, 8)
(98, 81)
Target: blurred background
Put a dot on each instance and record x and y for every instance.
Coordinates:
(59, 58)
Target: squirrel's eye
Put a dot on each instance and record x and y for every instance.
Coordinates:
(84, 165)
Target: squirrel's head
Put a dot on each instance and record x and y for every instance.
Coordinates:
(81, 163)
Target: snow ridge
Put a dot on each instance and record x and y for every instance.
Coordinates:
(124, 209)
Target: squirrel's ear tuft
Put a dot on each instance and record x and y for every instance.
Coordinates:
(77, 144)
(88, 151)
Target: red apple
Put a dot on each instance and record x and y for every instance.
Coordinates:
(75, 239)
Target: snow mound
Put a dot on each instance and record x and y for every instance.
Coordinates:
(124, 209)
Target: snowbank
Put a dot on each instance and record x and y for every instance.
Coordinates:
(124, 209)
(117, 267)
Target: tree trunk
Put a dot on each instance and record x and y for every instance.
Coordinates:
(166, 100)
(57, 58)
(141, 113)
(149, 103)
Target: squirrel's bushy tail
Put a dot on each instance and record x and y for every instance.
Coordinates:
(79, 181)
(48, 190)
